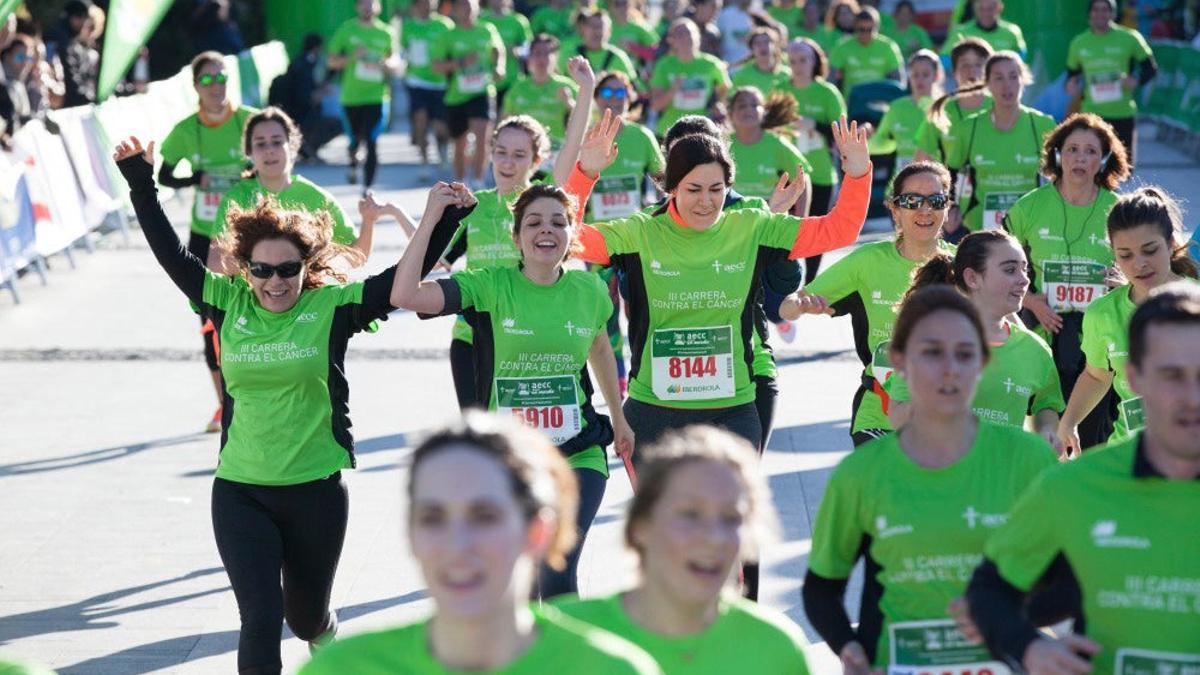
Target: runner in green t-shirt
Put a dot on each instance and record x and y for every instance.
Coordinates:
(1115, 531)
(471, 55)
(897, 130)
(1020, 378)
(489, 502)
(919, 505)
(365, 50)
(1062, 227)
(907, 33)
(211, 143)
(685, 81)
(814, 28)
(537, 327)
(594, 28)
(693, 278)
(543, 94)
(426, 86)
(554, 18)
(284, 330)
(869, 282)
(619, 190)
(514, 31)
(1145, 231)
(632, 34)
(867, 57)
(1105, 65)
(989, 27)
(790, 13)
(765, 68)
(997, 153)
(761, 154)
(519, 146)
(680, 611)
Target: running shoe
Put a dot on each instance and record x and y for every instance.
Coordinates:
(787, 331)
(328, 637)
(214, 425)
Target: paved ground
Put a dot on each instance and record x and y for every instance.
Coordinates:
(107, 563)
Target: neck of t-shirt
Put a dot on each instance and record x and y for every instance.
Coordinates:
(648, 607)
(1010, 116)
(211, 119)
(277, 184)
(1077, 195)
(936, 441)
(988, 29)
(489, 643)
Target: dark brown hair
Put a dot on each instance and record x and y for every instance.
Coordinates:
(692, 151)
(700, 443)
(915, 168)
(1153, 206)
(1175, 303)
(831, 12)
(689, 125)
(936, 112)
(270, 114)
(203, 59)
(971, 254)
(542, 190)
(779, 109)
(546, 38)
(931, 299)
(1112, 172)
(539, 476)
(820, 68)
(310, 232)
(624, 81)
(538, 137)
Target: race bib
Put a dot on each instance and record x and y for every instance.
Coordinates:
(964, 187)
(418, 53)
(936, 647)
(1145, 662)
(368, 71)
(807, 142)
(996, 206)
(207, 203)
(693, 95)
(1105, 88)
(1134, 414)
(1072, 286)
(548, 404)
(472, 83)
(616, 197)
(692, 364)
(881, 363)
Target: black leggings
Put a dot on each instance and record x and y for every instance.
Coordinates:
(462, 371)
(365, 124)
(822, 203)
(264, 532)
(199, 245)
(1066, 345)
(649, 422)
(766, 393)
(591, 492)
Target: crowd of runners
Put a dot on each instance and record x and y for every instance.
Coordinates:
(1025, 481)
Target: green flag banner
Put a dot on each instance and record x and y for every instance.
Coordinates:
(7, 7)
(130, 23)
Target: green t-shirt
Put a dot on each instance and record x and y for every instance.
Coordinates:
(1005, 35)
(514, 32)
(556, 22)
(1130, 542)
(938, 144)
(287, 425)
(618, 191)
(301, 195)
(757, 167)
(541, 102)
(791, 17)
(487, 231)
(821, 102)
(872, 279)
(417, 39)
(750, 76)
(562, 644)
(868, 63)
(468, 82)
(1069, 259)
(538, 339)
(1020, 379)
(217, 151)
(926, 530)
(1005, 163)
(827, 38)
(910, 39)
(631, 34)
(1105, 60)
(898, 129)
(778, 644)
(701, 77)
(607, 59)
(692, 344)
(364, 81)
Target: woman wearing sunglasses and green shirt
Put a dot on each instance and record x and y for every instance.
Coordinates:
(210, 141)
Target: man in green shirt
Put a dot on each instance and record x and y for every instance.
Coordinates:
(1106, 64)
(989, 27)
(593, 43)
(868, 57)
(515, 32)
(364, 49)
(1116, 529)
(426, 86)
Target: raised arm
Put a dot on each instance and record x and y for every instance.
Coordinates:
(841, 226)
(408, 289)
(598, 152)
(184, 268)
(581, 112)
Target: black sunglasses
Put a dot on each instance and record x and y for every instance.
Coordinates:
(612, 92)
(207, 79)
(285, 270)
(913, 201)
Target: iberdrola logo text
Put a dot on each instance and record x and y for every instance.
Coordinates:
(509, 325)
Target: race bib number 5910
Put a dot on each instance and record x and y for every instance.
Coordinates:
(548, 404)
(937, 647)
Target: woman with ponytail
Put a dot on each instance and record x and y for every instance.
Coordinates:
(990, 269)
(1144, 228)
(898, 128)
(760, 154)
(966, 65)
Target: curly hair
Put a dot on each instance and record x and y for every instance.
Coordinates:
(1112, 172)
(542, 190)
(311, 233)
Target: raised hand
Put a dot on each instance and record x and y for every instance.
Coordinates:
(802, 302)
(440, 196)
(786, 194)
(599, 149)
(581, 72)
(851, 141)
(131, 147)
(369, 209)
(463, 197)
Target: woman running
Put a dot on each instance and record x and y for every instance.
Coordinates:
(870, 282)
(760, 154)
(489, 501)
(1020, 378)
(966, 65)
(685, 81)
(1144, 228)
(700, 508)
(765, 68)
(279, 504)
(1062, 227)
(918, 505)
(210, 141)
(543, 94)
(897, 130)
(693, 270)
(536, 327)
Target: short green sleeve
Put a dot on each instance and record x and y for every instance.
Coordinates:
(1073, 61)
(222, 212)
(179, 143)
(526, 31)
(620, 235)
(960, 129)
(837, 533)
(838, 280)
(343, 231)
(1141, 49)
(897, 55)
(1020, 38)
(655, 161)
(790, 156)
(477, 287)
(837, 58)
(1024, 547)
(928, 138)
(777, 230)
(1094, 347)
(221, 290)
(337, 45)
(440, 49)
(495, 39)
(835, 104)
(1049, 396)
(661, 77)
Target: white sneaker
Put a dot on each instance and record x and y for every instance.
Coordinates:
(787, 331)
